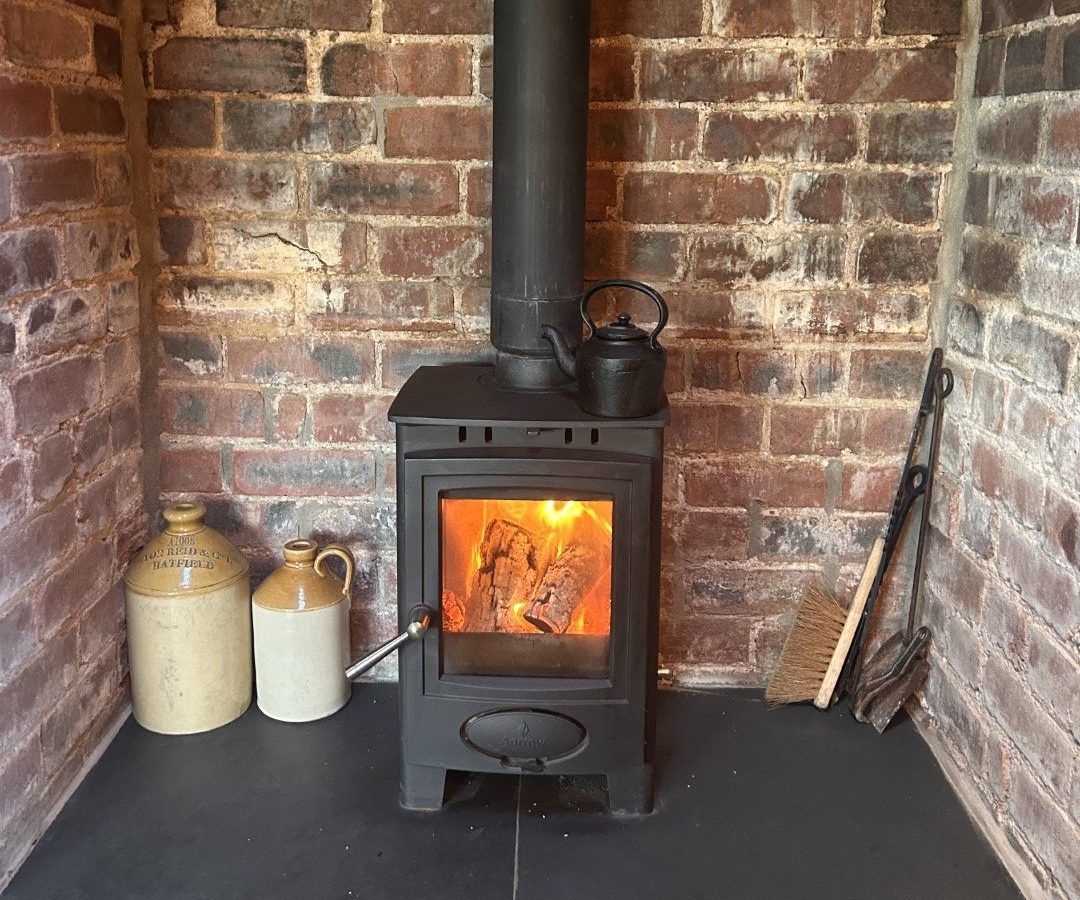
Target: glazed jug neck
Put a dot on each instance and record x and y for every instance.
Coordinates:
(300, 554)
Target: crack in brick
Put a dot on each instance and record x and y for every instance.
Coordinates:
(285, 240)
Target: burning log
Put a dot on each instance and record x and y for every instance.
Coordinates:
(564, 585)
(507, 575)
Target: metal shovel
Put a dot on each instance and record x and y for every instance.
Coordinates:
(899, 666)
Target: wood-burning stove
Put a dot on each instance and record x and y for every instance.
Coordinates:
(530, 527)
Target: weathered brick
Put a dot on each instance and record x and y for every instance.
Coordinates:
(26, 106)
(365, 305)
(114, 178)
(738, 482)
(922, 17)
(439, 132)
(704, 312)
(1070, 57)
(845, 314)
(212, 299)
(417, 70)
(287, 246)
(649, 255)
(180, 122)
(789, 536)
(887, 374)
(401, 358)
(1053, 674)
(1036, 207)
(743, 371)
(729, 528)
(991, 265)
(870, 75)
(831, 430)
(35, 689)
(299, 473)
(731, 259)
(714, 591)
(227, 184)
(98, 246)
(443, 17)
(1006, 478)
(617, 135)
(741, 137)
(46, 36)
(611, 73)
(124, 425)
(351, 418)
(1035, 353)
(62, 318)
(87, 112)
(795, 18)
(917, 136)
(833, 197)
(990, 68)
(646, 18)
(230, 64)
(1051, 834)
(717, 75)
(708, 428)
(1051, 282)
(92, 442)
(53, 465)
(898, 257)
(289, 360)
(665, 197)
(212, 411)
(988, 394)
(258, 125)
(190, 353)
(181, 241)
(290, 414)
(108, 53)
(384, 188)
(328, 15)
(421, 251)
(1000, 13)
(29, 261)
(1025, 64)
(54, 181)
(977, 203)
(1008, 133)
(5, 193)
(1063, 133)
(193, 469)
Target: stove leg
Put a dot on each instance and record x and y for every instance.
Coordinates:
(422, 787)
(631, 793)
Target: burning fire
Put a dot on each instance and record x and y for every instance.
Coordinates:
(527, 566)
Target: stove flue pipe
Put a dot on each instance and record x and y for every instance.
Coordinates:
(541, 108)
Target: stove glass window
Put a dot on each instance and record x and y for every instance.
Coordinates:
(526, 586)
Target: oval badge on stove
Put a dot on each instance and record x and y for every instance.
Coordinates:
(516, 734)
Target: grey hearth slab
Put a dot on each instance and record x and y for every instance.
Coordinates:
(752, 804)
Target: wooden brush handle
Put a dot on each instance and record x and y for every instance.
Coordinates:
(828, 685)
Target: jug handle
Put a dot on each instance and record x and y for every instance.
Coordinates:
(344, 555)
(642, 288)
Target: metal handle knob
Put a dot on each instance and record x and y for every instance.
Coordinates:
(420, 619)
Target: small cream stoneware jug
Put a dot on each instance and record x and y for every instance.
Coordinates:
(300, 615)
(189, 627)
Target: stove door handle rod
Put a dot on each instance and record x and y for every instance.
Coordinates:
(420, 620)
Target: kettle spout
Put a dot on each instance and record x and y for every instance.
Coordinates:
(563, 356)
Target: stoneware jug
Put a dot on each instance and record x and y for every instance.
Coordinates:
(301, 619)
(189, 627)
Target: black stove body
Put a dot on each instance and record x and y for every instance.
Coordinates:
(530, 527)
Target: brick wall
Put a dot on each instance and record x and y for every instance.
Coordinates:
(70, 486)
(1004, 584)
(776, 167)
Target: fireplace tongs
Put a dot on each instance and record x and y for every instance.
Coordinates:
(420, 620)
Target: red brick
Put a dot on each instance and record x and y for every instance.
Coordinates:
(351, 418)
(734, 258)
(446, 17)
(205, 300)
(190, 353)
(19, 635)
(711, 641)
(990, 66)
(13, 484)
(190, 469)
(108, 53)
(433, 251)
(1006, 478)
(665, 197)
(887, 374)
(646, 135)
(46, 36)
(5, 193)
(181, 241)
(897, 257)
(833, 197)
(999, 13)
(844, 314)
(871, 75)
(1049, 589)
(868, 488)
(611, 73)
(49, 396)
(988, 393)
(401, 358)
(1063, 133)
(384, 188)
(648, 255)
(1035, 353)
(229, 184)
(911, 135)
(717, 75)
(1026, 69)
(54, 464)
(86, 112)
(300, 473)
(787, 536)
(714, 591)
(29, 261)
(364, 305)
(739, 482)
(26, 108)
(53, 181)
(439, 132)
(259, 125)
(31, 550)
(1035, 207)
(1008, 134)
(1052, 835)
(100, 246)
(741, 137)
(728, 533)
(829, 430)
(417, 70)
(290, 360)
(212, 411)
(180, 122)
(92, 442)
(709, 428)
(922, 17)
(760, 372)
(1053, 674)
(328, 15)
(290, 416)
(795, 18)
(646, 18)
(230, 64)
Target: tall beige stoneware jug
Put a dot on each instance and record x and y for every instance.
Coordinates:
(189, 627)
(301, 620)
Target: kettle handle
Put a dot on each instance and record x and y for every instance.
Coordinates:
(345, 556)
(642, 288)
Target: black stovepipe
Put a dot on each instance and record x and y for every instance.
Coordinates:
(541, 105)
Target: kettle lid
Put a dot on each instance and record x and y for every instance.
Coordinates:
(622, 329)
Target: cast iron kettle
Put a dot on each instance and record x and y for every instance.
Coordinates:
(619, 368)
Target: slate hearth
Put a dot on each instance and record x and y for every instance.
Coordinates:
(750, 804)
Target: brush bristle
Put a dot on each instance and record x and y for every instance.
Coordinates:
(808, 649)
